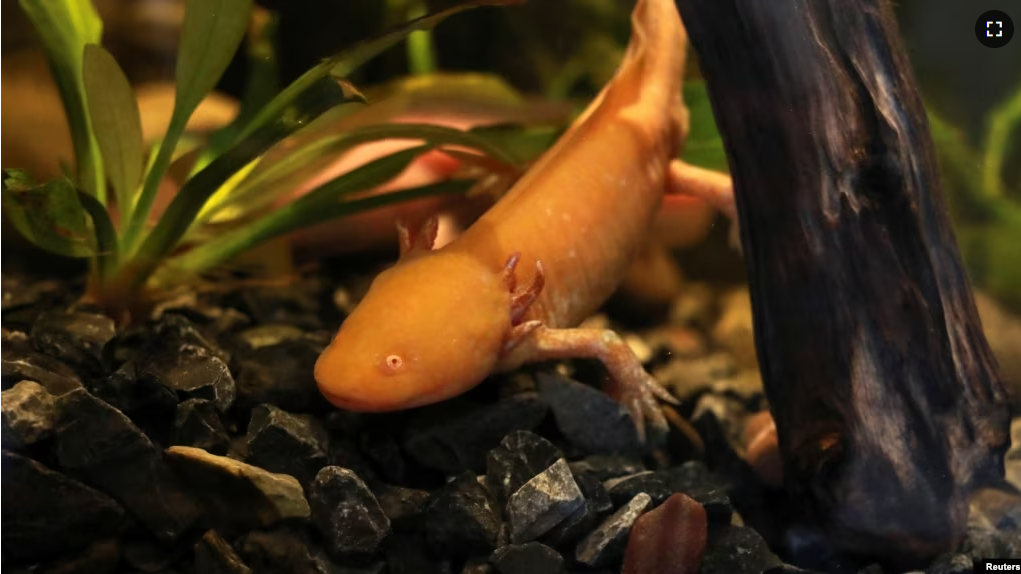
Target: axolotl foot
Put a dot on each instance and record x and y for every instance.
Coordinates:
(630, 384)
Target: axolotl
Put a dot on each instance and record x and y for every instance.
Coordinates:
(440, 321)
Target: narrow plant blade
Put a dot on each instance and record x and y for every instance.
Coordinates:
(212, 31)
(48, 215)
(1001, 122)
(115, 121)
(273, 181)
(107, 248)
(704, 146)
(65, 27)
(189, 201)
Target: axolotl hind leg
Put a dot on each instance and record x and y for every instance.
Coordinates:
(630, 384)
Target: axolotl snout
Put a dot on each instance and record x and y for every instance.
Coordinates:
(511, 289)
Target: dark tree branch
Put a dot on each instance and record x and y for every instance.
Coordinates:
(887, 399)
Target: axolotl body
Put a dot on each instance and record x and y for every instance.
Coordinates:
(511, 289)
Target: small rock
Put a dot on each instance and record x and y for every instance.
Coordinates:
(296, 305)
(477, 566)
(588, 417)
(669, 539)
(745, 386)
(29, 415)
(405, 507)
(46, 513)
(18, 363)
(198, 425)
(452, 443)
(285, 551)
(461, 521)
(762, 449)
(101, 557)
(737, 550)
(238, 497)
(98, 443)
(695, 306)
(406, 554)
(75, 338)
(282, 442)
(543, 502)
(691, 478)
(383, 450)
(734, 330)
(584, 519)
(605, 467)
(280, 375)
(150, 405)
(689, 377)
(213, 555)
(951, 564)
(192, 372)
(528, 558)
(604, 546)
(519, 458)
(347, 514)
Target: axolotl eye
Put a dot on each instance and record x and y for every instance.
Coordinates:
(392, 364)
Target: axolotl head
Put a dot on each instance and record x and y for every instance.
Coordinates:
(429, 328)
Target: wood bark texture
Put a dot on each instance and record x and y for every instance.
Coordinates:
(888, 402)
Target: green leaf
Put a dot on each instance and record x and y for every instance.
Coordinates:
(704, 146)
(107, 248)
(210, 36)
(1000, 123)
(49, 215)
(188, 202)
(65, 27)
(116, 122)
(272, 181)
(347, 61)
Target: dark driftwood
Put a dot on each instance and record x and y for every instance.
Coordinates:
(887, 399)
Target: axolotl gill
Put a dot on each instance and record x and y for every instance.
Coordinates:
(513, 287)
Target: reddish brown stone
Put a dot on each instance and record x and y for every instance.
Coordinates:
(669, 539)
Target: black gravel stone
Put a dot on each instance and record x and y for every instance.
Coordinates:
(519, 458)
(279, 441)
(285, 550)
(585, 519)
(528, 558)
(461, 520)
(213, 555)
(18, 362)
(101, 557)
(347, 514)
(149, 404)
(737, 550)
(192, 372)
(406, 554)
(198, 424)
(171, 331)
(604, 546)
(238, 497)
(951, 564)
(588, 418)
(280, 375)
(604, 467)
(450, 438)
(405, 507)
(543, 502)
(296, 305)
(29, 415)
(99, 444)
(45, 513)
(691, 478)
(75, 338)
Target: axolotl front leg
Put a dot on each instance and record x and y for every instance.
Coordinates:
(533, 341)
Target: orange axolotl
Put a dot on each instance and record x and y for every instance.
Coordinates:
(441, 320)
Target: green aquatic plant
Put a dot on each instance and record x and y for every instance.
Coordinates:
(986, 208)
(133, 256)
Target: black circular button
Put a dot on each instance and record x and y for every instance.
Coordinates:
(994, 29)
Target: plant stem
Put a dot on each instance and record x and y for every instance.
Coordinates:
(140, 211)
